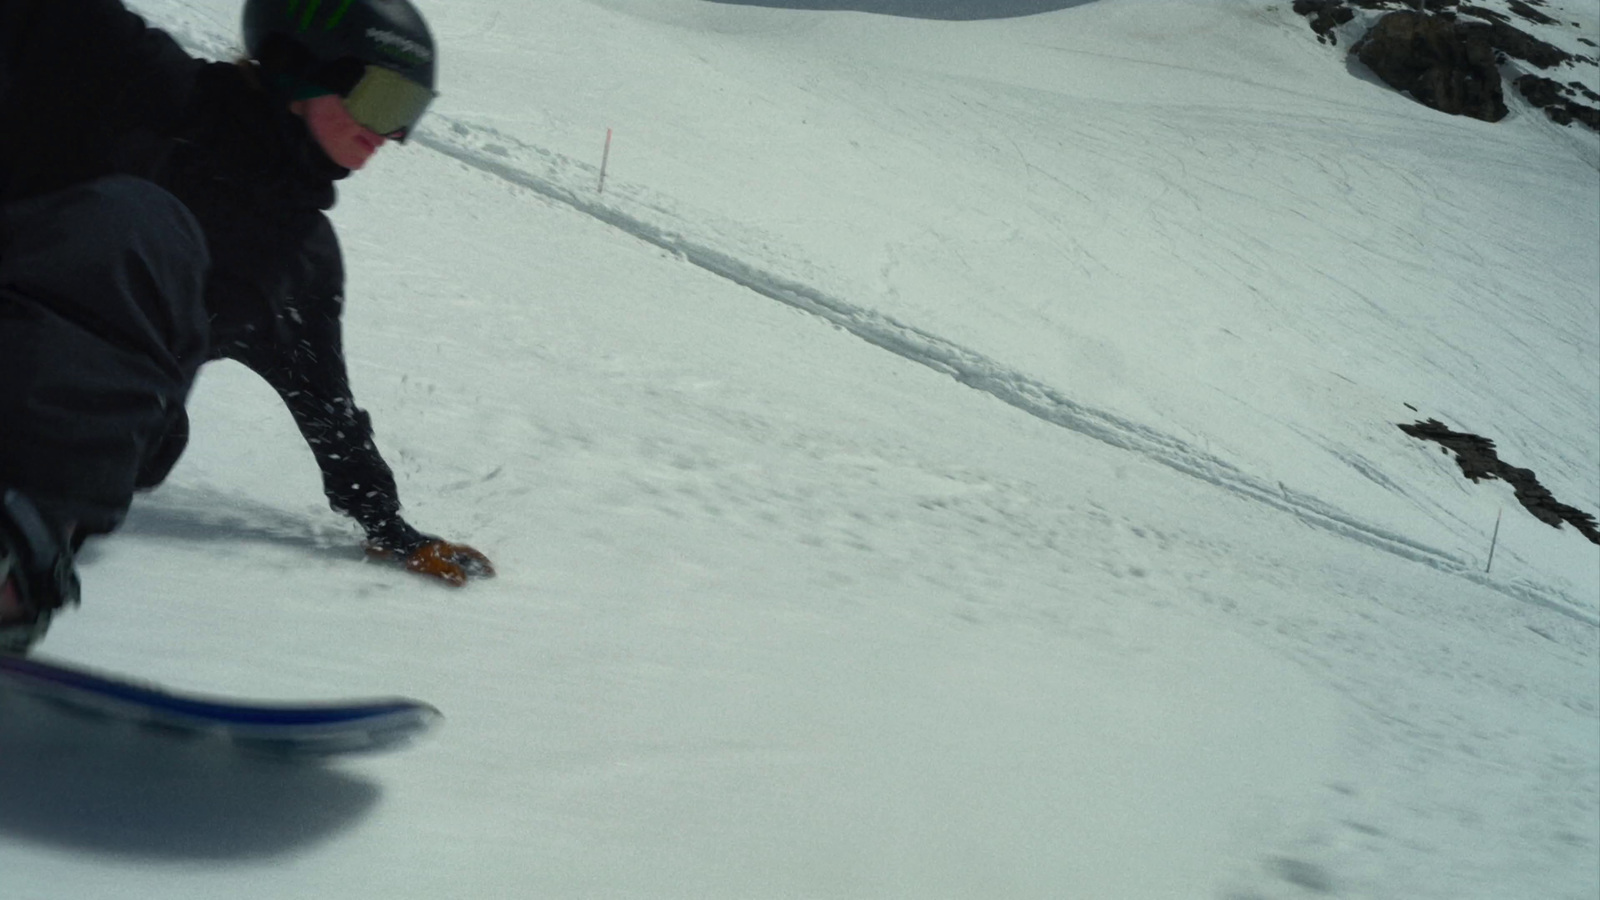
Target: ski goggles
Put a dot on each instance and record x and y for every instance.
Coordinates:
(387, 103)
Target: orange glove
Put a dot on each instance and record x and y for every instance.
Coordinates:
(451, 563)
(424, 554)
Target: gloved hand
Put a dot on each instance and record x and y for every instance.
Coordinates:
(427, 555)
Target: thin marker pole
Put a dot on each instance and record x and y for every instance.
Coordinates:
(1494, 540)
(605, 160)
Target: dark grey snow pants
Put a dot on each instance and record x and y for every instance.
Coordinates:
(102, 329)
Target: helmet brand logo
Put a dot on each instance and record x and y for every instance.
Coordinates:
(401, 43)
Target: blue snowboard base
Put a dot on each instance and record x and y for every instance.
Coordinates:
(306, 731)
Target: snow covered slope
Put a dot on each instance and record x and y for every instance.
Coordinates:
(950, 458)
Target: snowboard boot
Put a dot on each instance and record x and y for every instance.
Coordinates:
(37, 576)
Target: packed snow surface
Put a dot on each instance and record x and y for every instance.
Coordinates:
(955, 455)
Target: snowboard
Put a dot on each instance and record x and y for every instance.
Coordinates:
(294, 731)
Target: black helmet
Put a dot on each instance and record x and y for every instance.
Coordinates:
(334, 43)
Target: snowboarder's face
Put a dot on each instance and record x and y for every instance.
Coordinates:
(346, 141)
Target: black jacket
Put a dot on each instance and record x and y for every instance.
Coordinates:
(87, 90)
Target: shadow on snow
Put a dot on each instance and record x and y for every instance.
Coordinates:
(202, 515)
(94, 786)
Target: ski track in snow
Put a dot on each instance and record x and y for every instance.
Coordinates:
(568, 182)
(654, 221)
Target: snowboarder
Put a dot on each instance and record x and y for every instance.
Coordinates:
(158, 211)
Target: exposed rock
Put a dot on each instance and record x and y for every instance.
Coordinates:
(1532, 15)
(1514, 41)
(1452, 69)
(1479, 460)
(1556, 101)
(1325, 15)
(1443, 63)
(1482, 13)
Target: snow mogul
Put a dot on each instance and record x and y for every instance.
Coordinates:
(158, 211)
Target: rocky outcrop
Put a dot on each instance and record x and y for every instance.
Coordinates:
(1479, 460)
(1450, 55)
(1558, 100)
(1498, 31)
(1439, 62)
(1325, 16)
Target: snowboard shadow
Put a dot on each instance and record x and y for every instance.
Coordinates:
(959, 10)
(94, 786)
